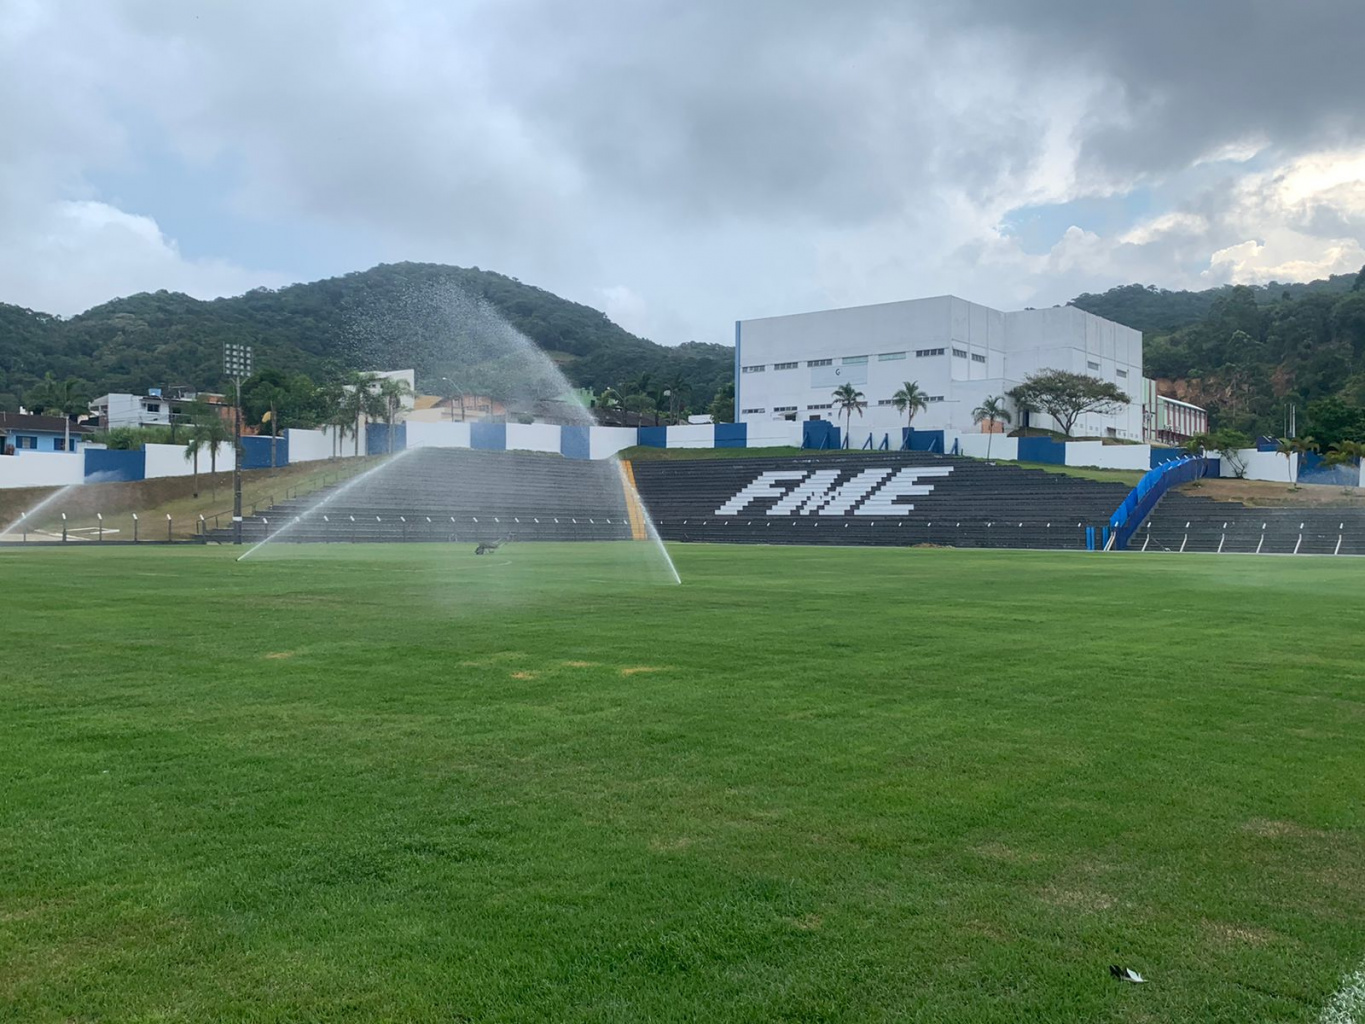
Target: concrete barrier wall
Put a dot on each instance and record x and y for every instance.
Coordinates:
(438, 435)
(693, 435)
(1261, 466)
(1109, 456)
(42, 469)
(604, 442)
(533, 437)
(774, 434)
(310, 445)
(1000, 447)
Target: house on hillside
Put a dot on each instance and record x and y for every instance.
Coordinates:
(158, 408)
(20, 433)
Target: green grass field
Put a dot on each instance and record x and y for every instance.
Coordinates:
(403, 783)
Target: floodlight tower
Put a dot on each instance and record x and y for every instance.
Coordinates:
(237, 365)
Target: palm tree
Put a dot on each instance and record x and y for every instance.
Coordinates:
(1344, 453)
(392, 391)
(993, 411)
(848, 400)
(1289, 447)
(910, 400)
(677, 388)
(361, 403)
(208, 433)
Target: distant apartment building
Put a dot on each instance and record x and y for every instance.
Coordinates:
(157, 408)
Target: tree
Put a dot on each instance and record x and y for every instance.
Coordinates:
(361, 402)
(848, 400)
(1067, 396)
(208, 433)
(1290, 447)
(722, 408)
(67, 398)
(610, 401)
(991, 411)
(391, 392)
(641, 404)
(910, 400)
(676, 391)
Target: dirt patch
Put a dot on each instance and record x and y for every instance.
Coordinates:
(807, 923)
(635, 670)
(580, 664)
(276, 655)
(1269, 493)
(524, 675)
(1270, 829)
(1001, 852)
(1236, 934)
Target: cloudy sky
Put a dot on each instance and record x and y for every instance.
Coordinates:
(680, 165)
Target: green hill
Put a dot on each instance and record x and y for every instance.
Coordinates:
(391, 316)
(1246, 353)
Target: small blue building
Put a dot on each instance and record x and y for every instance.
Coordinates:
(21, 433)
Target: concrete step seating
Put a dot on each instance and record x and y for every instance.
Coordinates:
(448, 494)
(1185, 522)
(971, 503)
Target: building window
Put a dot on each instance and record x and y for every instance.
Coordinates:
(959, 353)
(977, 357)
(749, 412)
(153, 407)
(24, 441)
(755, 369)
(855, 360)
(827, 405)
(887, 357)
(1093, 366)
(785, 366)
(886, 401)
(924, 353)
(59, 444)
(935, 398)
(1122, 373)
(819, 362)
(784, 408)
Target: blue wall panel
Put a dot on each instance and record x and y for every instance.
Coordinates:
(819, 434)
(377, 438)
(654, 437)
(256, 452)
(1160, 455)
(575, 442)
(925, 440)
(731, 435)
(1042, 449)
(488, 436)
(104, 465)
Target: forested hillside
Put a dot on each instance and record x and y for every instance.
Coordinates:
(1247, 353)
(391, 316)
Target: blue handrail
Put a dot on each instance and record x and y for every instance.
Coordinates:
(1138, 505)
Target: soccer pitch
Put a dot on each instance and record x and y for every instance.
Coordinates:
(405, 783)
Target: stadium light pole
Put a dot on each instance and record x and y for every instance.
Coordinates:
(237, 365)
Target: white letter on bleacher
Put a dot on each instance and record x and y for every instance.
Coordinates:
(760, 488)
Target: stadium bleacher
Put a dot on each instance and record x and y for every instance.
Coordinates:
(1185, 522)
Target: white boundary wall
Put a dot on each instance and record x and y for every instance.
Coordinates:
(1270, 466)
(533, 437)
(169, 460)
(604, 442)
(1109, 456)
(701, 435)
(437, 435)
(773, 434)
(42, 469)
(309, 445)
(1006, 449)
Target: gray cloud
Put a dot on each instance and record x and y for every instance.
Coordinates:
(689, 164)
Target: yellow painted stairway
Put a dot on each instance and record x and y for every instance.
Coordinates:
(634, 509)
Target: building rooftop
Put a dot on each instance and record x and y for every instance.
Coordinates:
(44, 424)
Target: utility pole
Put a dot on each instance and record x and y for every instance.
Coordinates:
(237, 365)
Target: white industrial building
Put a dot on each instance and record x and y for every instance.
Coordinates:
(959, 352)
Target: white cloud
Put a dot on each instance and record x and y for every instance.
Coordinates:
(69, 255)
